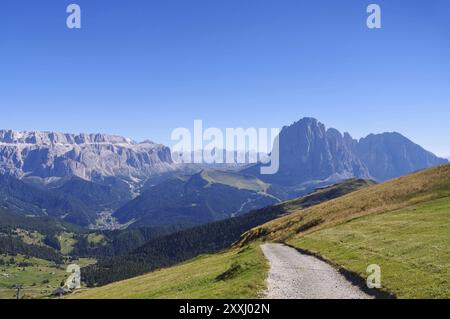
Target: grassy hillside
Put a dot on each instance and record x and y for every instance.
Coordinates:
(403, 192)
(402, 225)
(411, 245)
(232, 274)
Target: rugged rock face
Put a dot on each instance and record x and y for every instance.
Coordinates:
(310, 152)
(48, 155)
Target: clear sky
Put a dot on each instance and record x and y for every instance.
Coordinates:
(141, 68)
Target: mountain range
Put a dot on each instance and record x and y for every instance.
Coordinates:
(79, 177)
(309, 151)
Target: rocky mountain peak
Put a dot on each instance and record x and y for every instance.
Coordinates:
(309, 151)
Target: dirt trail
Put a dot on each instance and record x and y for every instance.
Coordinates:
(294, 275)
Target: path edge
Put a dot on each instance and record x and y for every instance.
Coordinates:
(351, 276)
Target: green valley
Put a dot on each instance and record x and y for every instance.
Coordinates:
(180, 246)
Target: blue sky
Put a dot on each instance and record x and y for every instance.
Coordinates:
(142, 68)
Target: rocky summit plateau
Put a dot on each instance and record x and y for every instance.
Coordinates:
(48, 155)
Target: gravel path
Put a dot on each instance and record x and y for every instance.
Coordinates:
(297, 276)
